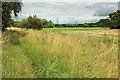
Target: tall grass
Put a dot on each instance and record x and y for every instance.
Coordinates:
(0, 54)
(61, 55)
(14, 62)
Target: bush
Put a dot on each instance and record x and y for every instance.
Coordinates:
(13, 37)
(32, 22)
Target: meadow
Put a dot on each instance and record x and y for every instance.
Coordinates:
(74, 29)
(60, 53)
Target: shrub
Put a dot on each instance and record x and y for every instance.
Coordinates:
(13, 37)
(32, 22)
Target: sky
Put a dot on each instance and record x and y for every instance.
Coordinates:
(70, 0)
(69, 12)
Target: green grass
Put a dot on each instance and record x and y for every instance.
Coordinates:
(72, 29)
(55, 55)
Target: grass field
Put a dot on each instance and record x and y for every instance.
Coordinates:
(73, 29)
(68, 54)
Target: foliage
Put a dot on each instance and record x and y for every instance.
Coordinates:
(104, 23)
(113, 21)
(33, 22)
(50, 24)
(77, 25)
(7, 9)
(12, 36)
(86, 25)
(115, 18)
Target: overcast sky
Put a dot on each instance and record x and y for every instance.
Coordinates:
(68, 12)
(70, 0)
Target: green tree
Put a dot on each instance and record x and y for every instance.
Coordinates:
(7, 9)
(85, 25)
(50, 24)
(44, 23)
(33, 22)
(115, 19)
(104, 23)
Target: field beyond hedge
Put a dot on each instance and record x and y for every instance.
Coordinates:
(73, 29)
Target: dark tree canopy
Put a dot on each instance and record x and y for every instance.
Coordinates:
(115, 18)
(104, 23)
(7, 9)
(112, 22)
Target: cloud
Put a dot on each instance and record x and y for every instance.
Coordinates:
(55, 9)
(80, 19)
(70, 0)
(103, 9)
(119, 5)
(68, 12)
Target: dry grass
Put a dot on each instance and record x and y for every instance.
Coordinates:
(0, 55)
(69, 54)
(98, 32)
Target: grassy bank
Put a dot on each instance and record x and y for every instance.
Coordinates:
(59, 55)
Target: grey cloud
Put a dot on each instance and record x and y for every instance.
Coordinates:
(68, 12)
(55, 8)
(103, 9)
(70, 0)
(119, 5)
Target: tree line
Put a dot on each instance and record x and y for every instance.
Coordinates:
(33, 22)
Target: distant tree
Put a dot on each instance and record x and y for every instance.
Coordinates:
(22, 24)
(92, 25)
(115, 19)
(50, 24)
(7, 9)
(44, 23)
(64, 25)
(104, 23)
(33, 22)
(85, 25)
